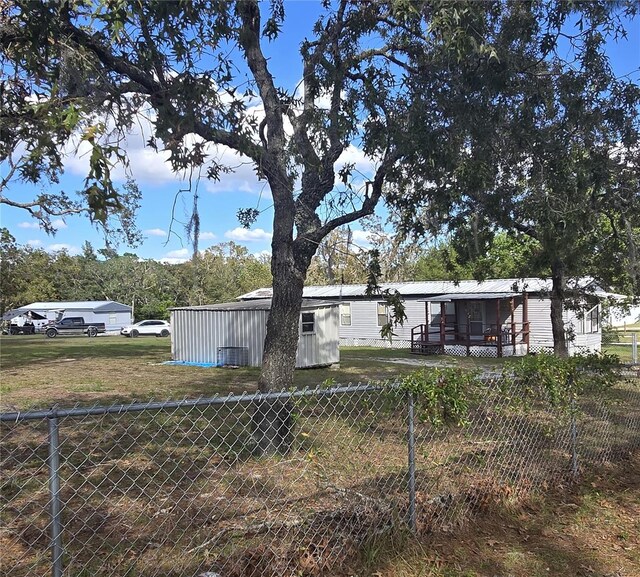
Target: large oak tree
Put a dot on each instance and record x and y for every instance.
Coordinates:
(375, 74)
(543, 140)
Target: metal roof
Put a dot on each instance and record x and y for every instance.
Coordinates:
(470, 296)
(102, 306)
(252, 305)
(12, 314)
(418, 288)
(426, 288)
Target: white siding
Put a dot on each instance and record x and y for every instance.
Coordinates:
(321, 347)
(116, 321)
(541, 334)
(364, 327)
(583, 342)
(122, 319)
(587, 343)
(416, 312)
(363, 321)
(197, 334)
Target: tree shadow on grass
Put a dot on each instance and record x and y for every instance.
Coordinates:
(552, 534)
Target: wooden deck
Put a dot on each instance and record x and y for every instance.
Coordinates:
(500, 340)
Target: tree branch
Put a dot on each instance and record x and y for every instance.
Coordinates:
(154, 89)
(368, 204)
(249, 40)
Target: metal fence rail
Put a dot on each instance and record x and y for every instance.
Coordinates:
(623, 343)
(181, 489)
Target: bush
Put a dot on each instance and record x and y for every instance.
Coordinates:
(441, 396)
(564, 378)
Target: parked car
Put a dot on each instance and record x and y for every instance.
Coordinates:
(73, 326)
(149, 327)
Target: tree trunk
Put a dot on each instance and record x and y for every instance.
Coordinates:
(557, 304)
(281, 343)
(272, 419)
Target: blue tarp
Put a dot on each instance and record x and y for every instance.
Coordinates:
(190, 364)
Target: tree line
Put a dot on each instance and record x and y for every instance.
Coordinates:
(224, 271)
(218, 274)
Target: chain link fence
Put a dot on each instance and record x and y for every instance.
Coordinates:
(191, 488)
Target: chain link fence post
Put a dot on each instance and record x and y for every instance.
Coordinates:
(634, 348)
(54, 491)
(412, 462)
(574, 430)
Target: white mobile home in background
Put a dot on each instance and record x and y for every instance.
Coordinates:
(500, 317)
(234, 333)
(114, 315)
(623, 317)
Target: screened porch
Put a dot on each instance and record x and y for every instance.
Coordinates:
(481, 324)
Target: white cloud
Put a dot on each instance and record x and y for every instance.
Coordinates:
(177, 256)
(178, 253)
(240, 234)
(361, 237)
(33, 224)
(58, 223)
(364, 166)
(242, 179)
(150, 167)
(61, 246)
(155, 232)
(207, 236)
(34, 243)
(146, 165)
(262, 254)
(323, 101)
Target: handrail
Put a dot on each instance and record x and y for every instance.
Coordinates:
(432, 334)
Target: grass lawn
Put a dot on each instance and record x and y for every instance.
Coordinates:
(588, 530)
(39, 372)
(620, 342)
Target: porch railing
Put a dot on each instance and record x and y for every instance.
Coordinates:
(432, 339)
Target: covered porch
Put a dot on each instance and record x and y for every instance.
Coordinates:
(480, 324)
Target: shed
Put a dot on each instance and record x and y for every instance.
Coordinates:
(114, 315)
(234, 333)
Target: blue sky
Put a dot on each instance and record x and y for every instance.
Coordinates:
(218, 201)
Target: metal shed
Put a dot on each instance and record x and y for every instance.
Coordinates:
(234, 333)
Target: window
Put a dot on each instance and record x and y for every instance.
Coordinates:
(308, 323)
(449, 313)
(383, 314)
(345, 315)
(592, 320)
